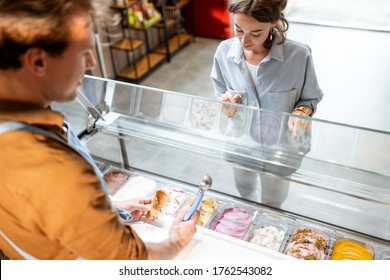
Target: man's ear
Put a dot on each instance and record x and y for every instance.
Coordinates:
(35, 60)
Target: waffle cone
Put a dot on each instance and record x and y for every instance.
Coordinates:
(160, 198)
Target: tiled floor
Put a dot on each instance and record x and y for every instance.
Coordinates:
(189, 70)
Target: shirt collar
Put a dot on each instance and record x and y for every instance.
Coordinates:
(235, 51)
(276, 51)
(30, 114)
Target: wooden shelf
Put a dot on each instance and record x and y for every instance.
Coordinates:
(125, 44)
(142, 67)
(180, 4)
(140, 64)
(168, 22)
(174, 43)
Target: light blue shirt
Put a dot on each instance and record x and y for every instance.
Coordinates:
(285, 79)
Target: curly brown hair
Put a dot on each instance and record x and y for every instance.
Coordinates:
(264, 11)
(35, 23)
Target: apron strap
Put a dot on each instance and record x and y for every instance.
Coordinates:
(74, 144)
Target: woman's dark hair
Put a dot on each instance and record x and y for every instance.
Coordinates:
(264, 11)
(35, 23)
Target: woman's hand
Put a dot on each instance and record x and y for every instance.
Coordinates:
(299, 125)
(138, 207)
(230, 110)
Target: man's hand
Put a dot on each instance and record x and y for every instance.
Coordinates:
(181, 232)
(180, 235)
(138, 207)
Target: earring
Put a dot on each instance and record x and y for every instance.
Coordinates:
(271, 36)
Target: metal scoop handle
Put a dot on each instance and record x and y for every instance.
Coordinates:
(194, 206)
(205, 184)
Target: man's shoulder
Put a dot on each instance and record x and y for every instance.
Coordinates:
(37, 149)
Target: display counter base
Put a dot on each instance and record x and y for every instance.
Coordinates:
(207, 244)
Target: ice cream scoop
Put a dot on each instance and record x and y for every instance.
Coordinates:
(205, 184)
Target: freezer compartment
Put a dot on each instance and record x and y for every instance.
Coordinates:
(115, 179)
(209, 207)
(346, 248)
(269, 231)
(177, 196)
(233, 220)
(137, 186)
(142, 184)
(306, 242)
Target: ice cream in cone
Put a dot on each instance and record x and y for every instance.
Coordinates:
(159, 199)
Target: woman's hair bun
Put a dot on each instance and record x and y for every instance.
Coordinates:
(281, 4)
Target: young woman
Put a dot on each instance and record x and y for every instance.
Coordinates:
(260, 67)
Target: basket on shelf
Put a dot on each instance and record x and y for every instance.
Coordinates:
(144, 15)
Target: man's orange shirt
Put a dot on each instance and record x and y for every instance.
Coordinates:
(52, 205)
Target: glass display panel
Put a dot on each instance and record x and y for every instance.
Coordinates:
(335, 173)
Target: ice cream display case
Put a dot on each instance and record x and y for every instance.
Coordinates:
(337, 177)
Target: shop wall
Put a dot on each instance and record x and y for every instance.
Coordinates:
(209, 19)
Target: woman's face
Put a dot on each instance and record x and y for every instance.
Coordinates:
(251, 32)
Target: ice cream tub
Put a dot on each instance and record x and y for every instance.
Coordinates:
(385, 255)
(175, 109)
(177, 196)
(308, 243)
(233, 220)
(203, 115)
(346, 248)
(268, 231)
(115, 179)
(136, 186)
(208, 209)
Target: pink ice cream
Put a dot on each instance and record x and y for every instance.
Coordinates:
(176, 197)
(234, 222)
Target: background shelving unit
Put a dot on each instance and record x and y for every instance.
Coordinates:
(177, 38)
(141, 59)
(136, 51)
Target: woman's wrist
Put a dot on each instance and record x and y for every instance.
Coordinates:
(304, 109)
